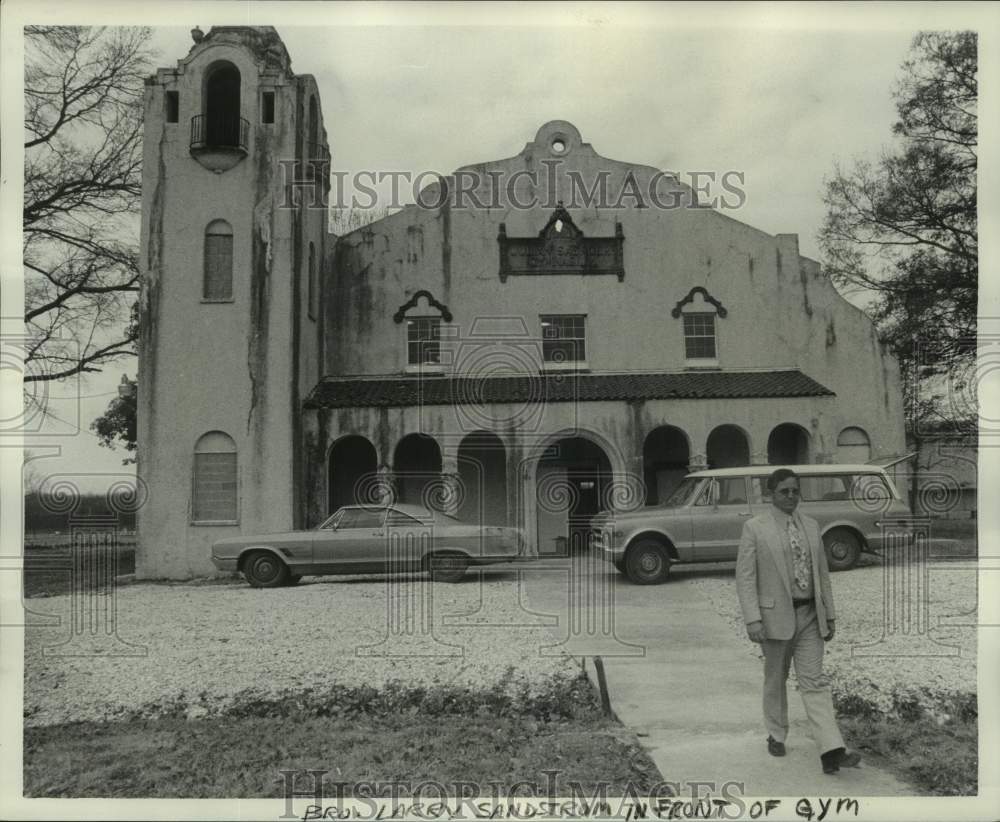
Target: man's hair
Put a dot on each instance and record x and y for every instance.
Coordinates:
(780, 476)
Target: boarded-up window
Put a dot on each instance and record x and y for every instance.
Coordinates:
(173, 106)
(214, 484)
(267, 107)
(218, 261)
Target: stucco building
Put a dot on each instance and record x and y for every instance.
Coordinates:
(539, 337)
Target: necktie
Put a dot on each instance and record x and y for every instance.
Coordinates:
(800, 560)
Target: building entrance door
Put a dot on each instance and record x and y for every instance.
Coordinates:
(568, 498)
(585, 502)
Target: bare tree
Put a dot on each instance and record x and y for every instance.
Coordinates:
(82, 182)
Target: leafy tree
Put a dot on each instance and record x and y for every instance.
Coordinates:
(82, 181)
(903, 231)
(117, 425)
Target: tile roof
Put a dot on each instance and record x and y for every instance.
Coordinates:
(399, 392)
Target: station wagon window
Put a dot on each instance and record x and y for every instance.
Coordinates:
(361, 518)
(825, 488)
(871, 488)
(732, 491)
(724, 491)
(683, 492)
(829, 488)
(705, 495)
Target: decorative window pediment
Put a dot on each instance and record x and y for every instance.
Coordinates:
(561, 248)
(415, 300)
(699, 311)
(690, 299)
(423, 330)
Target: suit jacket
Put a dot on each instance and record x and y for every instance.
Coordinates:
(762, 580)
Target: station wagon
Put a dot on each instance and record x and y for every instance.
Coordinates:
(702, 519)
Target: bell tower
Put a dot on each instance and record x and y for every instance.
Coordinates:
(234, 244)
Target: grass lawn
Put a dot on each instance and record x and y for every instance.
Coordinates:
(242, 757)
(938, 755)
(47, 560)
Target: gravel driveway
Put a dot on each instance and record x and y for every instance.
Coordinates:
(930, 673)
(205, 647)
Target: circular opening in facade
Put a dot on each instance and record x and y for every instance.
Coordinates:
(558, 146)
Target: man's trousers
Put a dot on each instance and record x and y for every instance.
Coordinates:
(806, 648)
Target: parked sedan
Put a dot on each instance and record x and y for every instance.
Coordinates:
(360, 539)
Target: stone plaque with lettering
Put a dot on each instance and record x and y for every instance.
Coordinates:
(561, 248)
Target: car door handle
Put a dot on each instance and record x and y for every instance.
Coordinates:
(746, 513)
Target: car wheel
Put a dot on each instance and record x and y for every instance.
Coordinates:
(447, 567)
(842, 549)
(620, 565)
(647, 563)
(263, 569)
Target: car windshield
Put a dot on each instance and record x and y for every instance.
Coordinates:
(682, 494)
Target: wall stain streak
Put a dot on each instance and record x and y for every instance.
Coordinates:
(804, 279)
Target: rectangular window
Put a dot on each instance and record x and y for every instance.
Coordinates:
(214, 487)
(699, 336)
(423, 341)
(267, 107)
(563, 338)
(732, 491)
(218, 267)
(173, 106)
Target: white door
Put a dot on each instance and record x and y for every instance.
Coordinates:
(553, 496)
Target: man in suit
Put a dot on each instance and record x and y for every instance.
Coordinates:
(783, 584)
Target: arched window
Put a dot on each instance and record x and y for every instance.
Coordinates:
(221, 101)
(213, 486)
(853, 445)
(218, 283)
(312, 282)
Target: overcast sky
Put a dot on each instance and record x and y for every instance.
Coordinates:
(779, 100)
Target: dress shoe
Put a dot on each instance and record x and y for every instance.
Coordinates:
(833, 760)
(774, 747)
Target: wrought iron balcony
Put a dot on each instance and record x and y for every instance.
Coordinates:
(219, 142)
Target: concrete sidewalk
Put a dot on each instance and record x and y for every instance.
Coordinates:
(680, 677)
